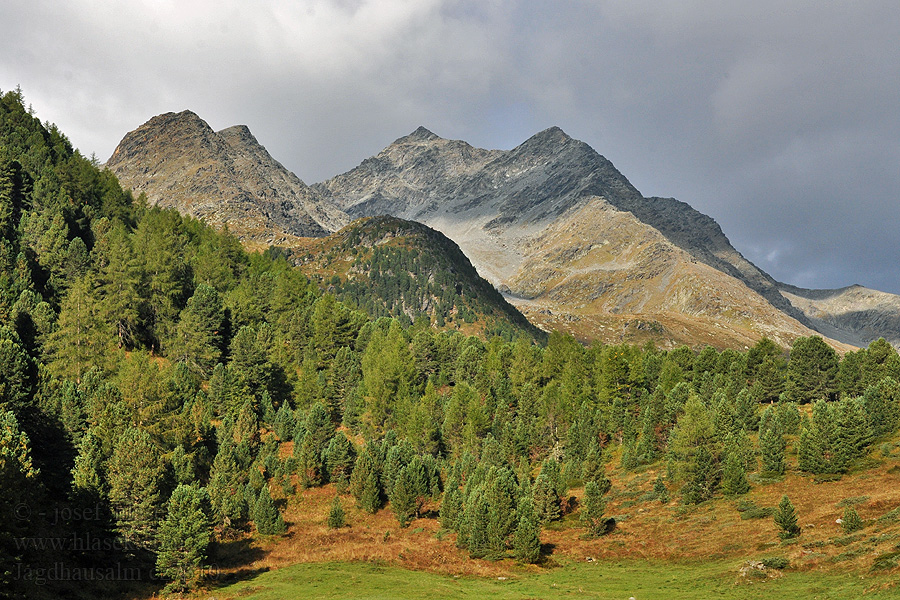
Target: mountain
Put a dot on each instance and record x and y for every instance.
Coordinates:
(557, 228)
(552, 224)
(854, 315)
(390, 267)
(178, 161)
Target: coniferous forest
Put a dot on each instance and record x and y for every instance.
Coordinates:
(163, 390)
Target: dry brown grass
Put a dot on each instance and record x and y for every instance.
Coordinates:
(646, 528)
(374, 538)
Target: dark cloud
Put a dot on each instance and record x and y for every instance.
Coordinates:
(779, 119)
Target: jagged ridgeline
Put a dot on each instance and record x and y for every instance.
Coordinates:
(390, 267)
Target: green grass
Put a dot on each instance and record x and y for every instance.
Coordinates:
(614, 581)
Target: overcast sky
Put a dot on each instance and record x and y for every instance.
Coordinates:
(780, 119)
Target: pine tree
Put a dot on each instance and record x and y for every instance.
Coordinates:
(364, 482)
(284, 423)
(527, 538)
(88, 475)
(734, 476)
(451, 505)
(118, 283)
(702, 478)
(694, 451)
(408, 492)
(745, 411)
(226, 482)
(851, 521)
(18, 477)
(771, 448)
(592, 508)
(786, 519)
(812, 371)
(660, 489)
(184, 537)
(136, 472)
(266, 516)
(592, 468)
(336, 517)
(198, 341)
(340, 457)
(853, 433)
(546, 497)
(500, 496)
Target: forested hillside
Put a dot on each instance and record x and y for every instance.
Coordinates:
(391, 267)
(162, 391)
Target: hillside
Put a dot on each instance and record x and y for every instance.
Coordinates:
(395, 268)
(223, 177)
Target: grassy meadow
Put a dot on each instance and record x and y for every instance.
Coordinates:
(620, 580)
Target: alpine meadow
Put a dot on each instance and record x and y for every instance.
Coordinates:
(297, 392)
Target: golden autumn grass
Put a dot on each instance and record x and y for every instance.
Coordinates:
(648, 530)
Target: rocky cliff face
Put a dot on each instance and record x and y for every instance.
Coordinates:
(224, 177)
(572, 243)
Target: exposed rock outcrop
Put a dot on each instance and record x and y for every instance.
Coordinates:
(178, 161)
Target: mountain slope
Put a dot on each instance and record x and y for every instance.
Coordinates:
(391, 267)
(572, 243)
(178, 161)
(854, 315)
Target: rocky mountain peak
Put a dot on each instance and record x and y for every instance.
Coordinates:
(178, 161)
(421, 134)
(240, 132)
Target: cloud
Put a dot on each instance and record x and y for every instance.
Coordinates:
(779, 119)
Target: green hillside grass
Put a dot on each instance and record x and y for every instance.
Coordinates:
(642, 580)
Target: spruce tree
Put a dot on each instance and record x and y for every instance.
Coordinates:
(592, 508)
(786, 519)
(184, 536)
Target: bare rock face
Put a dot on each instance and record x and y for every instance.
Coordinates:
(572, 243)
(178, 161)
